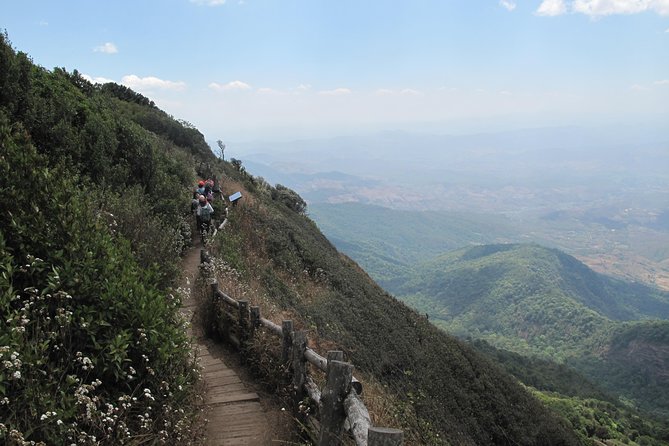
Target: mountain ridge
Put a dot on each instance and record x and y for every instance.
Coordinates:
(540, 301)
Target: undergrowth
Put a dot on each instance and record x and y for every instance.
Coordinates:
(92, 350)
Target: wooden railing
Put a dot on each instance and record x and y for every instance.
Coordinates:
(339, 407)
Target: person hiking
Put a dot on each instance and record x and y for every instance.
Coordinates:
(208, 190)
(204, 214)
(200, 188)
(194, 202)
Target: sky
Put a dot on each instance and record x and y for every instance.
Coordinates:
(243, 70)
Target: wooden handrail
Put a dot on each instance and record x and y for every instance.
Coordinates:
(330, 401)
(271, 326)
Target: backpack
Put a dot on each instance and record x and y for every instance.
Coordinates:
(205, 214)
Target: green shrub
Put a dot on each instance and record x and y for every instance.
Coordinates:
(91, 350)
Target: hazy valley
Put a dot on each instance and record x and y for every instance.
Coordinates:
(408, 216)
(601, 195)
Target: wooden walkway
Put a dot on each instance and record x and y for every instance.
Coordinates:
(235, 414)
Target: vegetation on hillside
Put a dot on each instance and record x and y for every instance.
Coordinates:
(592, 413)
(539, 301)
(92, 350)
(443, 392)
(566, 302)
(612, 424)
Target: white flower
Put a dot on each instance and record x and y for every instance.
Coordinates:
(17, 375)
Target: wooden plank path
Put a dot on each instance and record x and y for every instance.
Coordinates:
(235, 414)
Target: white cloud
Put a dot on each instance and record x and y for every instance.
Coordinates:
(384, 92)
(608, 7)
(335, 92)
(208, 2)
(662, 82)
(551, 8)
(639, 88)
(234, 85)
(404, 92)
(107, 48)
(96, 80)
(667, 30)
(595, 8)
(508, 4)
(505, 93)
(302, 88)
(151, 83)
(271, 91)
(43, 23)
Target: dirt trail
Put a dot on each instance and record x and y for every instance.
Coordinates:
(233, 408)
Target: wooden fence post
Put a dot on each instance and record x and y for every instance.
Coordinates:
(299, 374)
(214, 290)
(333, 414)
(384, 436)
(255, 320)
(243, 328)
(211, 315)
(287, 330)
(335, 355)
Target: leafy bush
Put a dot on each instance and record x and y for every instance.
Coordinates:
(290, 198)
(92, 351)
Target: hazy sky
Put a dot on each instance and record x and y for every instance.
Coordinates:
(255, 69)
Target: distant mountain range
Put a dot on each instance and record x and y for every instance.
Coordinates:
(530, 170)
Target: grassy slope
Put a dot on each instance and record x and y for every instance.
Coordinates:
(456, 393)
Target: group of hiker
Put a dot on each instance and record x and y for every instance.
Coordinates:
(201, 205)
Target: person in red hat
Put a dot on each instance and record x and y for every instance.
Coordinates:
(200, 187)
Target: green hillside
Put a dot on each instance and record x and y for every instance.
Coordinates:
(539, 301)
(592, 413)
(444, 392)
(92, 187)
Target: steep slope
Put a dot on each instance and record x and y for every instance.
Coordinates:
(634, 363)
(594, 414)
(443, 391)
